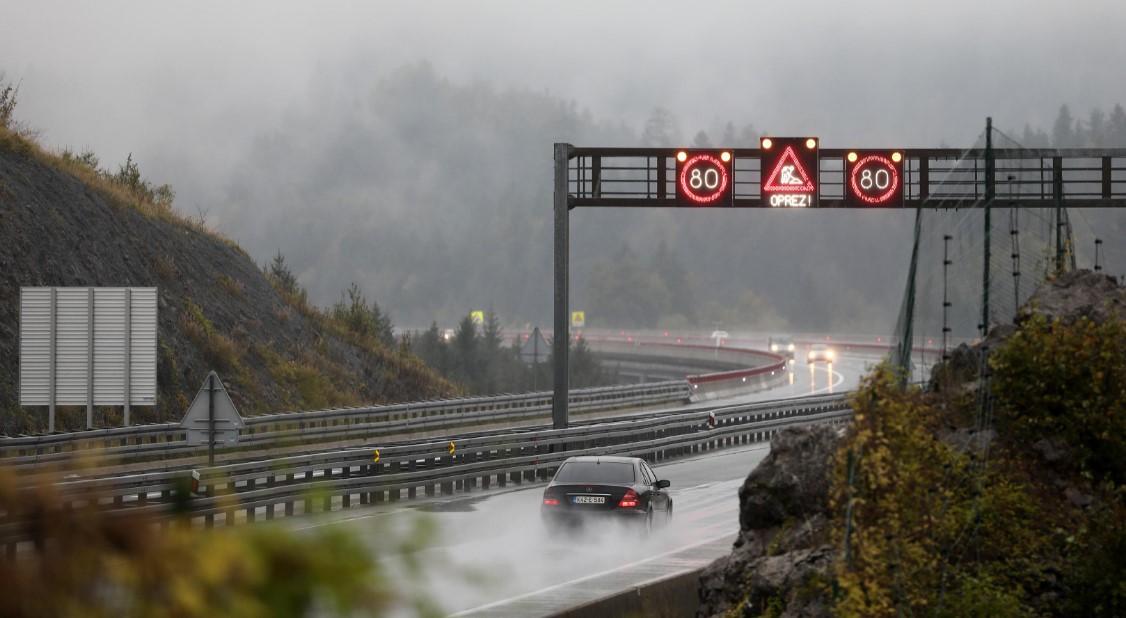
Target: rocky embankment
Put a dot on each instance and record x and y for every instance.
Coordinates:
(1046, 516)
(782, 556)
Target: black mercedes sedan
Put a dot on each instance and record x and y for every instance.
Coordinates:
(594, 488)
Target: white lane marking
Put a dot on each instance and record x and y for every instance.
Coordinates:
(839, 380)
(594, 575)
(760, 446)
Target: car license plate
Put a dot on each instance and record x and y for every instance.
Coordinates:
(589, 499)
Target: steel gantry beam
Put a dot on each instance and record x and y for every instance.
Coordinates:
(933, 177)
(940, 178)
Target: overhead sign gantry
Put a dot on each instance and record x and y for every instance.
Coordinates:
(796, 172)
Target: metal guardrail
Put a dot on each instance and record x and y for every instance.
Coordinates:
(325, 481)
(167, 440)
(281, 430)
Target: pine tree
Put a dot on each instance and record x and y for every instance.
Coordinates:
(492, 354)
(465, 353)
(585, 368)
(701, 140)
(729, 138)
(1116, 128)
(1095, 135)
(660, 129)
(281, 274)
(748, 137)
(1063, 131)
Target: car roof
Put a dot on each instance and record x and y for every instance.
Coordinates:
(604, 459)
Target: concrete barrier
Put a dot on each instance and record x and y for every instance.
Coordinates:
(670, 597)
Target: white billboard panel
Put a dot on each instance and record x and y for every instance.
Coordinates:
(77, 342)
(109, 346)
(142, 347)
(35, 346)
(72, 346)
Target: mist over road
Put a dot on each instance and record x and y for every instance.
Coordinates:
(489, 555)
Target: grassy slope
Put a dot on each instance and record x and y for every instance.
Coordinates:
(64, 223)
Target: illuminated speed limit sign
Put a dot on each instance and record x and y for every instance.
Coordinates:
(874, 179)
(705, 178)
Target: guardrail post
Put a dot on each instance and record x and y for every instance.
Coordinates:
(412, 491)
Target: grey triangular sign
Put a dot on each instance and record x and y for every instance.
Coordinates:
(227, 419)
(534, 350)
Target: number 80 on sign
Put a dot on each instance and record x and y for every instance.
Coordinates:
(874, 179)
(705, 178)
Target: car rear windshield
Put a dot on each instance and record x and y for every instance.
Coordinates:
(595, 472)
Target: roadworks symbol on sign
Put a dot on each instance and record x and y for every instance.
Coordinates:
(788, 176)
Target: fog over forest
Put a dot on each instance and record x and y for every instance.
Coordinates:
(408, 148)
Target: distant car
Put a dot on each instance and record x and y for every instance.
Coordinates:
(820, 352)
(594, 488)
(782, 345)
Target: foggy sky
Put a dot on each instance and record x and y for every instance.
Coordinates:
(156, 77)
(193, 88)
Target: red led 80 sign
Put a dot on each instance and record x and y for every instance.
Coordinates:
(705, 178)
(874, 179)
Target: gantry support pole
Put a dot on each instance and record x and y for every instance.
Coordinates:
(561, 336)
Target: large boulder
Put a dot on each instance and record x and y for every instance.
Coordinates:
(1069, 297)
(1074, 295)
(792, 482)
(782, 557)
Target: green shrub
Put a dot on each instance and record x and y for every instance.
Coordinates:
(933, 532)
(1067, 381)
(231, 286)
(218, 350)
(86, 562)
(9, 97)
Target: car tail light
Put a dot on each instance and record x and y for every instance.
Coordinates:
(551, 501)
(629, 501)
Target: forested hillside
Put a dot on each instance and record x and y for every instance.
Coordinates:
(438, 195)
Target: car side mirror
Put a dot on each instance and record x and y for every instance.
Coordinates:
(661, 484)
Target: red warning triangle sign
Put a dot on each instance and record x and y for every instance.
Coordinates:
(789, 175)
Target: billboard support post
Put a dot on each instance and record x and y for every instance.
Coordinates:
(211, 419)
(128, 352)
(90, 358)
(54, 356)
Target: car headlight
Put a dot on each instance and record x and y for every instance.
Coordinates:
(774, 347)
(829, 355)
(791, 348)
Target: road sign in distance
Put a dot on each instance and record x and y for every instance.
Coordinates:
(705, 178)
(578, 319)
(789, 172)
(874, 179)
